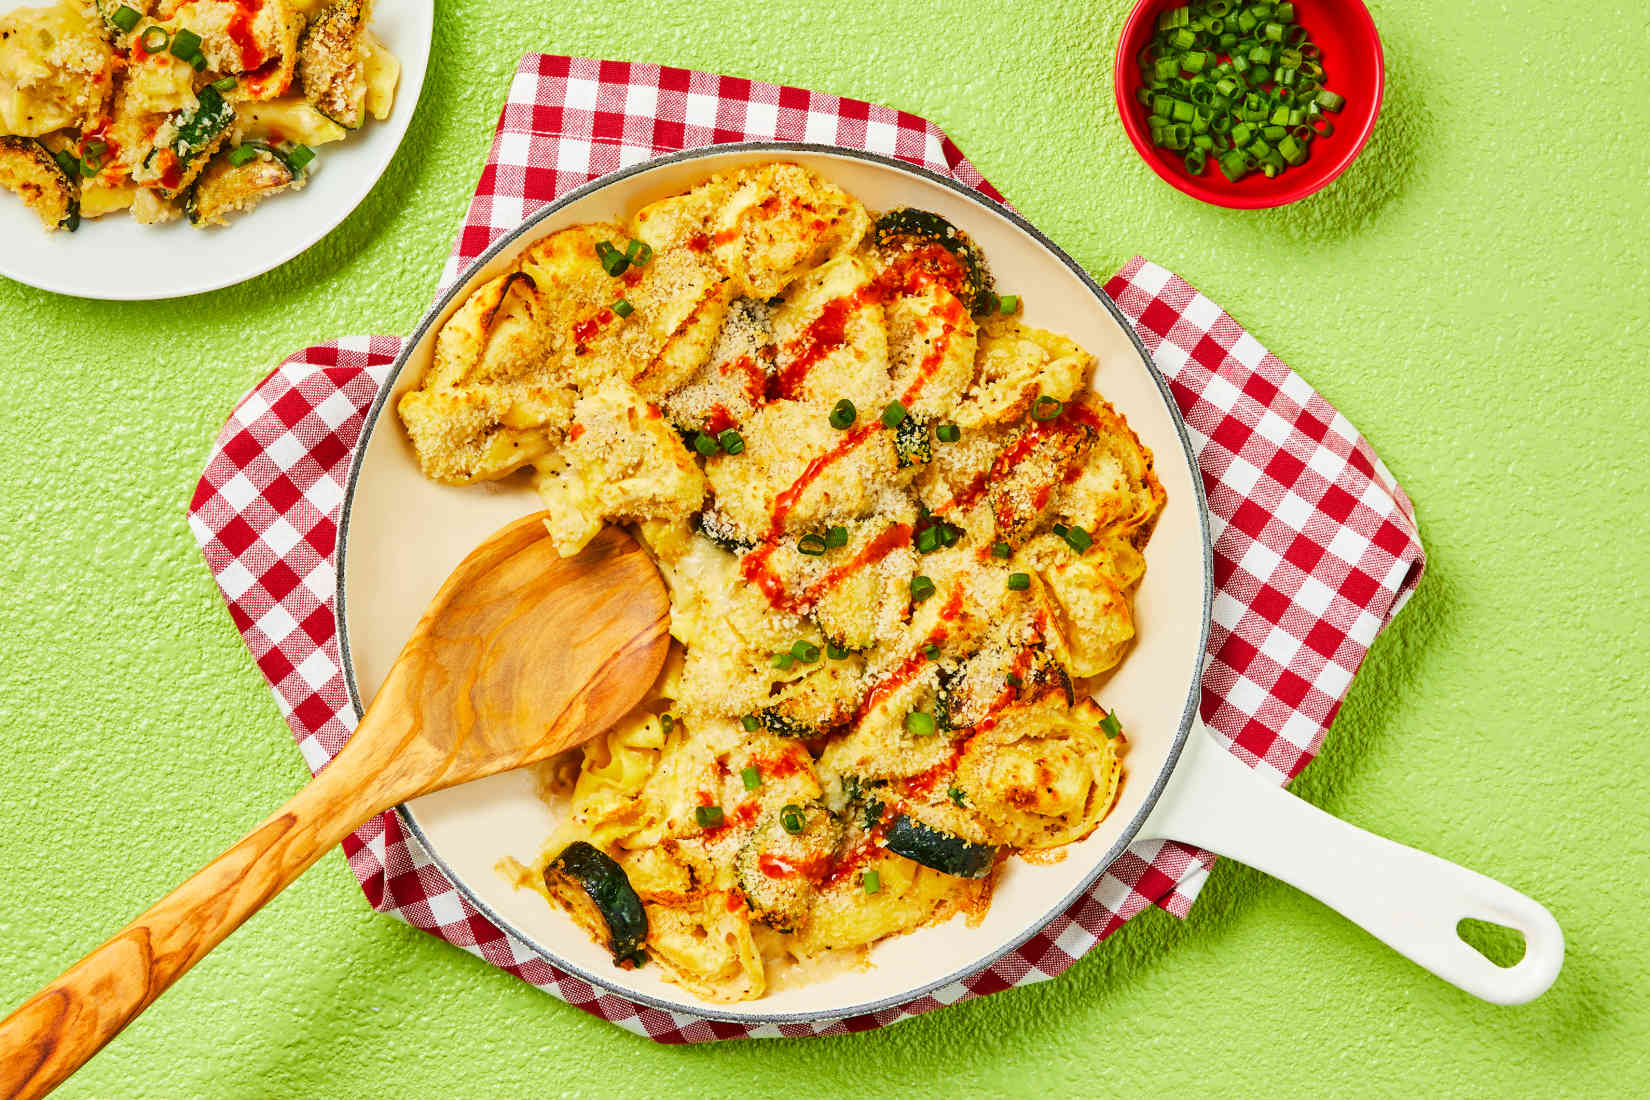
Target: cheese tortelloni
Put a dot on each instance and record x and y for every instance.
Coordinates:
(1043, 776)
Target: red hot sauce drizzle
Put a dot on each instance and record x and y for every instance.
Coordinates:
(909, 273)
(239, 32)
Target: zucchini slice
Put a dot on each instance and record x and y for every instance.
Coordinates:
(781, 725)
(909, 228)
(779, 870)
(198, 133)
(950, 855)
(599, 894)
(28, 168)
(225, 188)
(331, 66)
(715, 528)
(912, 445)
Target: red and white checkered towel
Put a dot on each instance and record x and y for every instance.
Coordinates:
(1315, 545)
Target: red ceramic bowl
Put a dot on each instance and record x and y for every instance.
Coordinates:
(1352, 65)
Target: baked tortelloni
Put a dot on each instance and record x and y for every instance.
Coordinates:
(180, 108)
(901, 538)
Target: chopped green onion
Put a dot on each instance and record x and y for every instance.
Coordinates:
(731, 441)
(811, 545)
(948, 433)
(704, 443)
(708, 817)
(224, 84)
(611, 259)
(949, 534)
(956, 795)
(243, 155)
(93, 152)
(1008, 303)
(1078, 539)
(1219, 67)
(68, 162)
(197, 62)
(1014, 681)
(666, 721)
(836, 537)
(637, 253)
(872, 880)
(931, 651)
(791, 819)
(921, 588)
(918, 724)
(1002, 550)
(843, 414)
(751, 723)
(805, 651)
(154, 39)
(893, 415)
(126, 18)
(1019, 582)
(751, 776)
(783, 661)
(622, 307)
(928, 540)
(836, 652)
(1046, 408)
(185, 45)
(299, 157)
(1110, 726)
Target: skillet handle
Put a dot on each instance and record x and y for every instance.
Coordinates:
(1410, 900)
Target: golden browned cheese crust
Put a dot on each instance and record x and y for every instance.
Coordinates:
(885, 618)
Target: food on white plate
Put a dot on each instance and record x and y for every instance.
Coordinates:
(901, 537)
(196, 109)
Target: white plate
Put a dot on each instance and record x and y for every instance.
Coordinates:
(115, 258)
(402, 534)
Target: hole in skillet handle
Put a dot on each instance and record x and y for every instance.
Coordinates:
(1499, 944)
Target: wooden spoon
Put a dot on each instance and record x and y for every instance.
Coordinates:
(522, 654)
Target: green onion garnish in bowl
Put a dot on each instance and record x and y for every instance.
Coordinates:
(1249, 103)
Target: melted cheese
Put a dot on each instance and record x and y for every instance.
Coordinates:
(865, 615)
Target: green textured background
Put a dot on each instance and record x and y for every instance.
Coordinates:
(1471, 294)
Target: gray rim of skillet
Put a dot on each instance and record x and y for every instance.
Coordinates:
(1188, 713)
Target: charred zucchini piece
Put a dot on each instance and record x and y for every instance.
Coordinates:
(909, 228)
(950, 855)
(331, 71)
(912, 444)
(588, 880)
(28, 168)
(716, 529)
(950, 677)
(203, 126)
(226, 187)
(781, 864)
(781, 725)
(199, 134)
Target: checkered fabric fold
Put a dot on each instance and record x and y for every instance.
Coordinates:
(1315, 545)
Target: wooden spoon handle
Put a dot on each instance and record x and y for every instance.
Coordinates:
(53, 1033)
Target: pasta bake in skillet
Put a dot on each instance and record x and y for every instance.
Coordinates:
(901, 538)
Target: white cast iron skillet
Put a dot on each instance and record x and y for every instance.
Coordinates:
(401, 534)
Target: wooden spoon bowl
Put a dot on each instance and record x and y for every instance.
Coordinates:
(521, 654)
